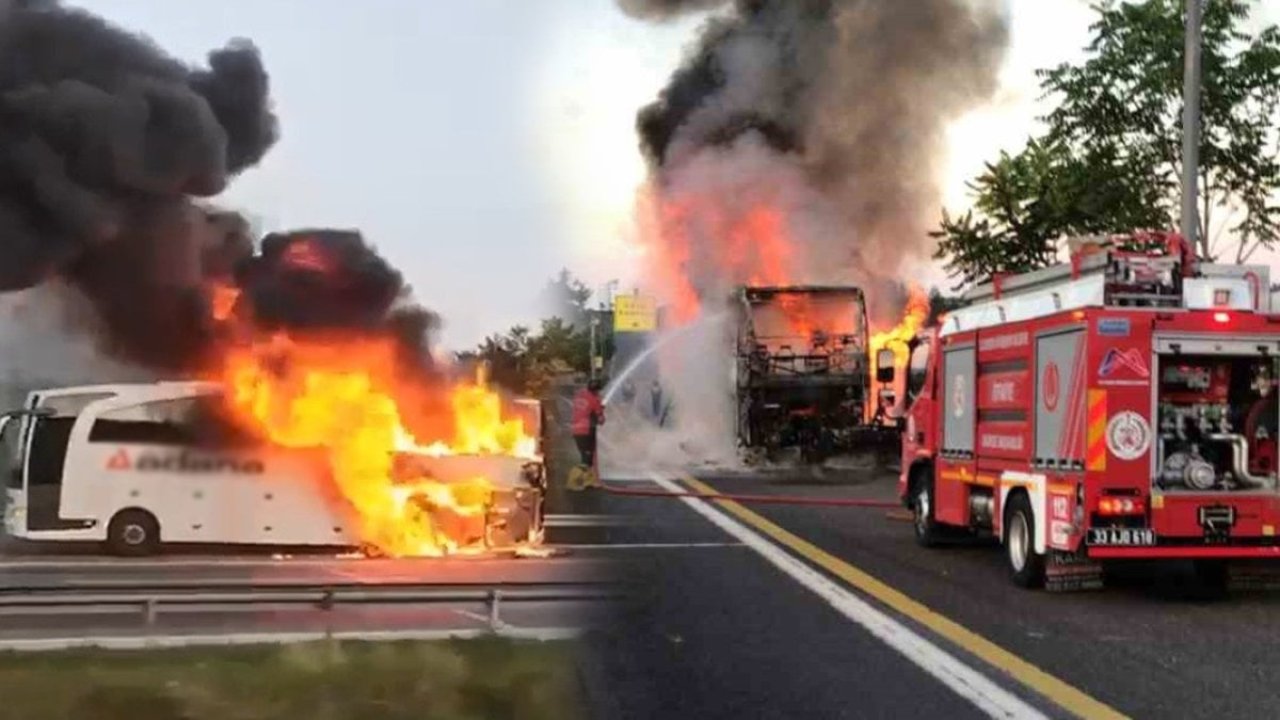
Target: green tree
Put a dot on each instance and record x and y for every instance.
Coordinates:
(525, 361)
(1110, 159)
(566, 297)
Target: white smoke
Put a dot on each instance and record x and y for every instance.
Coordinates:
(39, 352)
(695, 423)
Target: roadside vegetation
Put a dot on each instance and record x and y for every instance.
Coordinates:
(529, 361)
(1109, 158)
(453, 680)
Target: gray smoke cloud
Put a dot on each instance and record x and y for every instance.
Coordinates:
(832, 113)
(666, 9)
(800, 142)
(105, 142)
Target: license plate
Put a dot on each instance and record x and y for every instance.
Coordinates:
(1122, 536)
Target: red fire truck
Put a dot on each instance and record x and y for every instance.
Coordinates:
(1122, 405)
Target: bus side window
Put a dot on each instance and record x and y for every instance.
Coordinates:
(213, 427)
(163, 422)
(199, 421)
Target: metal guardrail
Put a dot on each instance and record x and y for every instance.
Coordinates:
(151, 599)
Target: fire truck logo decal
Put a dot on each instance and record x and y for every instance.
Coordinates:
(1116, 361)
(957, 396)
(1128, 435)
(1052, 386)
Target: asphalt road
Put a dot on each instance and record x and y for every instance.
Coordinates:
(713, 625)
(717, 630)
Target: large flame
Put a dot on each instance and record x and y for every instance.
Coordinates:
(342, 396)
(696, 244)
(897, 337)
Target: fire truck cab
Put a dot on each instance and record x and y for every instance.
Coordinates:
(1121, 405)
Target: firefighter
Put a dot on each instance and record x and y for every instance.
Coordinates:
(655, 397)
(588, 414)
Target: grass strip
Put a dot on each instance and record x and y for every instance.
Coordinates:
(456, 679)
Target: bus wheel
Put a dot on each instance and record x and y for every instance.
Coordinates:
(927, 531)
(1026, 566)
(133, 533)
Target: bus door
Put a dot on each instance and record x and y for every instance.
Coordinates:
(45, 433)
(11, 470)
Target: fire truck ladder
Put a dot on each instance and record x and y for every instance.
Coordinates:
(1113, 277)
(1151, 270)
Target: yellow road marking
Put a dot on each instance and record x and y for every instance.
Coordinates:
(1062, 694)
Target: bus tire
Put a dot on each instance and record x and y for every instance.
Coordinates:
(133, 533)
(1026, 566)
(927, 531)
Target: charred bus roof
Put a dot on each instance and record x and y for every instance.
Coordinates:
(767, 292)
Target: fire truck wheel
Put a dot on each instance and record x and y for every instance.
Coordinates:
(928, 533)
(133, 533)
(1026, 566)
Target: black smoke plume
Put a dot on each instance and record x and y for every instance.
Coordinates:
(322, 283)
(331, 281)
(105, 143)
(833, 112)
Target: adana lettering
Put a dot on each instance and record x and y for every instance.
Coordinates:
(186, 462)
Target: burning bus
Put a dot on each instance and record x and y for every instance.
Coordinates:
(314, 415)
(136, 465)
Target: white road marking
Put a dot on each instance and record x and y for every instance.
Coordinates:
(964, 680)
(558, 521)
(143, 642)
(622, 479)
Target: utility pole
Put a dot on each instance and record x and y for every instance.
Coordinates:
(595, 322)
(1191, 124)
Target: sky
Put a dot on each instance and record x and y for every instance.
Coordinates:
(482, 145)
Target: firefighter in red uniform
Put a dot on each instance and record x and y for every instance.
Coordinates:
(588, 414)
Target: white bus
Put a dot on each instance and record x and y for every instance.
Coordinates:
(132, 465)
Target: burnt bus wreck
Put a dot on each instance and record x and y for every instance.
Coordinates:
(803, 373)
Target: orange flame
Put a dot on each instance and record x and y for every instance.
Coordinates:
(223, 301)
(896, 338)
(744, 245)
(307, 255)
(342, 396)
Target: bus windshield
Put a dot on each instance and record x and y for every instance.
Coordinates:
(10, 453)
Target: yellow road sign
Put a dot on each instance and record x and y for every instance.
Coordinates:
(634, 313)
